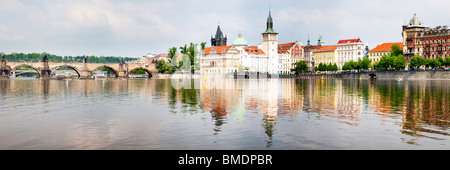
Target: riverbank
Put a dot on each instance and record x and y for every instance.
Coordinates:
(405, 75)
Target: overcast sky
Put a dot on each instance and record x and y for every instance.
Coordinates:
(136, 27)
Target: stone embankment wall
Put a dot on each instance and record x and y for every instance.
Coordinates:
(405, 75)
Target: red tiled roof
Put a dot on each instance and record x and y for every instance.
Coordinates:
(218, 49)
(386, 46)
(348, 41)
(326, 49)
(283, 48)
(250, 50)
(164, 55)
(254, 50)
(311, 47)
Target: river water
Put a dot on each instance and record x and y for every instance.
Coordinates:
(224, 114)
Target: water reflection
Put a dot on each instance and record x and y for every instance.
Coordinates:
(420, 109)
(421, 106)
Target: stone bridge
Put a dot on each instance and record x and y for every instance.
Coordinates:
(84, 70)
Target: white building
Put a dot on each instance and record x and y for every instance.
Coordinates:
(347, 50)
(252, 59)
(238, 57)
(219, 60)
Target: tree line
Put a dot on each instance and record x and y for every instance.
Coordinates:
(190, 55)
(417, 61)
(37, 57)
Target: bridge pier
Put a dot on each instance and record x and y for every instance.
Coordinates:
(4, 71)
(85, 74)
(46, 73)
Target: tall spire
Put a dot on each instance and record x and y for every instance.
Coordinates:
(269, 24)
(309, 42)
(320, 41)
(219, 33)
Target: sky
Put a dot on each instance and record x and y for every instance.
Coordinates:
(134, 28)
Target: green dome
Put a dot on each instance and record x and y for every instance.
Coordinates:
(239, 40)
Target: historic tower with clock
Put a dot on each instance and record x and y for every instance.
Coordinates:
(270, 45)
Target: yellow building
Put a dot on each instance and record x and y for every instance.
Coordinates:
(325, 55)
(383, 49)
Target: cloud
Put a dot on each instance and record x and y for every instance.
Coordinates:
(137, 27)
(83, 24)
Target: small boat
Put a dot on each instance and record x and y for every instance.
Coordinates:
(399, 79)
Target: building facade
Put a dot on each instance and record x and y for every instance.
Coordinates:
(411, 29)
(434, 42)
(347, 50)
(219, 60)
(238, 57)
(291, 53)
(309, 50)
(425, 41)
(325, 55)
(382, 49)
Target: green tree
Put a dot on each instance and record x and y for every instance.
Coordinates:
(300, 66)
(162, 66)
(347, 66)
(376, 65)
(384, 62)
(416, 61)
(203, 46)
(354, 65)
(172, 52)
(399, 62)
(435, 63)
(396, 50)
(335, 67)
(428, 62)
(447, 61)
(365, 63)
(441, 60)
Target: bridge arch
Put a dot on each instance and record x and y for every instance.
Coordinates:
(25, 65)
(101, 66)
(69, 66)
(149, 72)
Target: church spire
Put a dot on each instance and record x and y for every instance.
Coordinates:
(219, 33)
(219, 39)
(309, 42)
(269, 24)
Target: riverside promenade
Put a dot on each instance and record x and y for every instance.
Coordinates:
(385, 74)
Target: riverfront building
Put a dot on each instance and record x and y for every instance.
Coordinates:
(325, 55)
(434, 42)
(291, 53)
(382, 49)
(347, 50)
(237, 57)
(309, 52)
(219, 60)
(265, 58)
(425, 41)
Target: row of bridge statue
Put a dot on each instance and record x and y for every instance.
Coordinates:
(84, 69)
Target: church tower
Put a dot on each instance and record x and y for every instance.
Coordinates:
(270, 45)
(219, 39)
